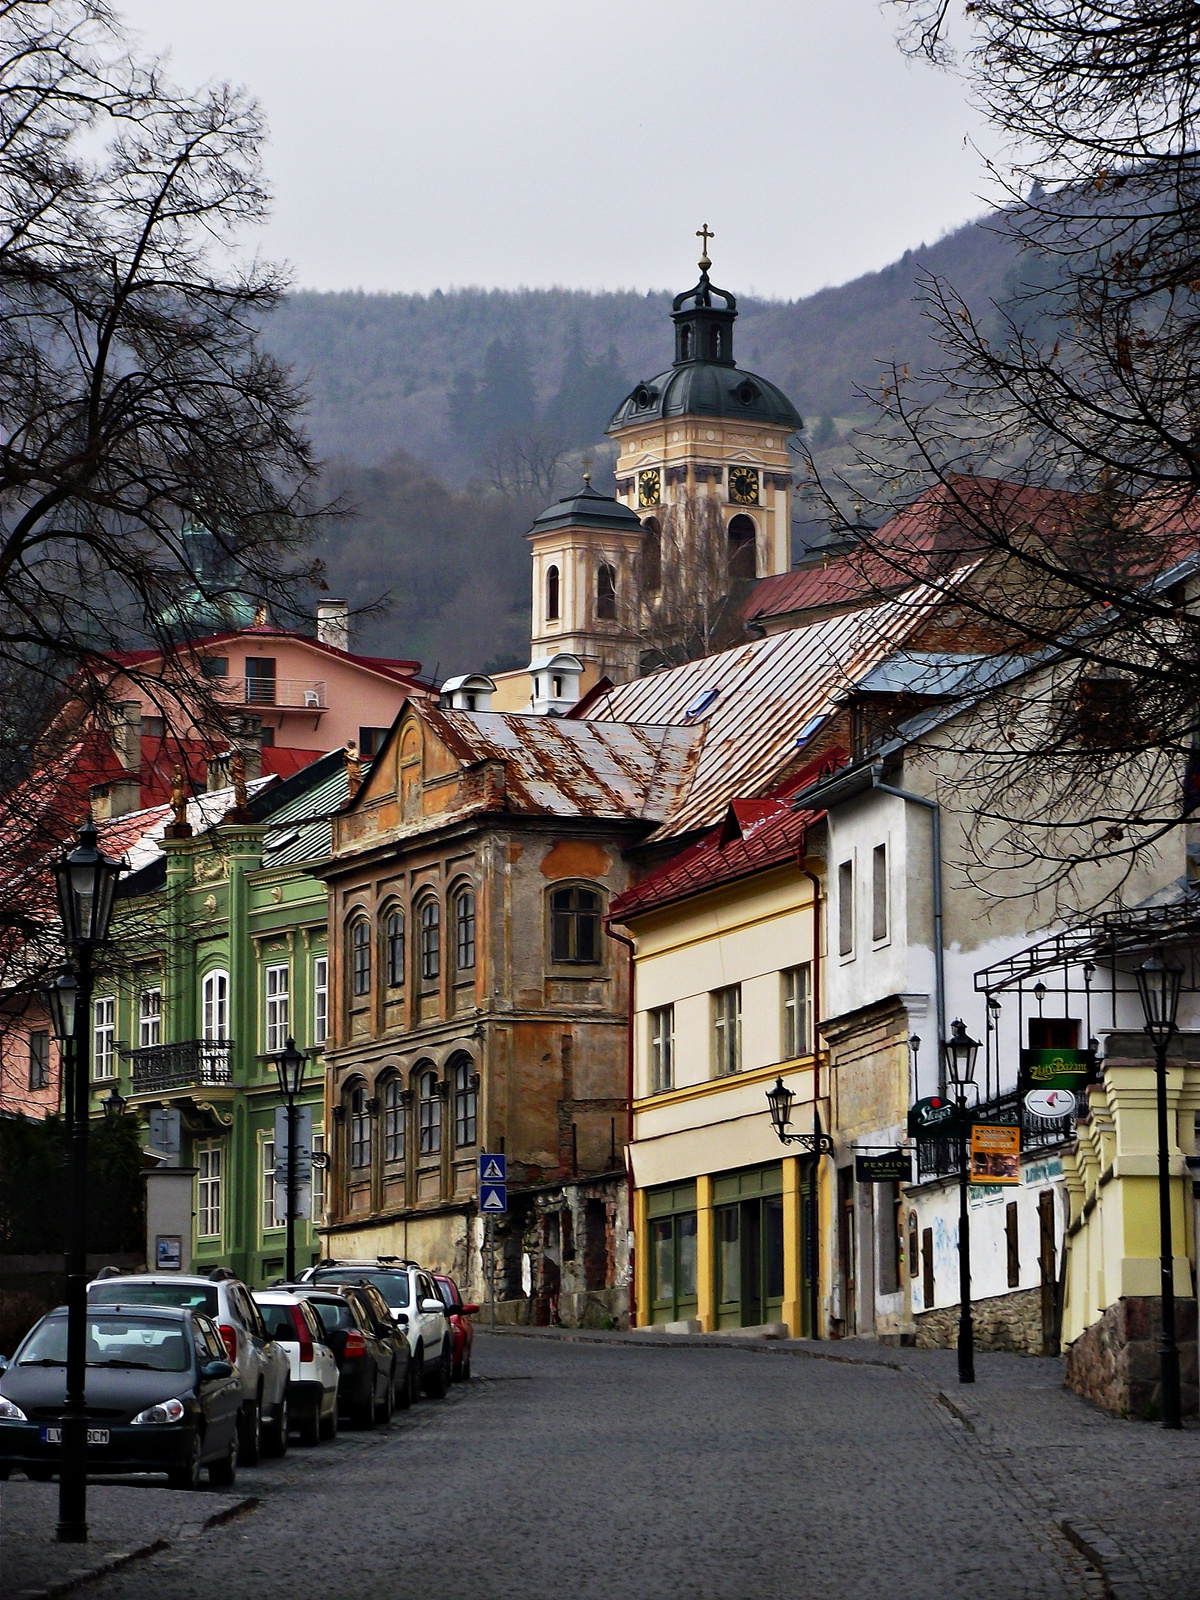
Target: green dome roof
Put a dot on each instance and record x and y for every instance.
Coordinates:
(587, 509)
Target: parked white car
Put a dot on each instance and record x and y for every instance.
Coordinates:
(415, 1304)
(313, 1384)
(261, 1366)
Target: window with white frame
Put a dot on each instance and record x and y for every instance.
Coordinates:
(214, 1005)
(796, 987)
(320, 999)
(268, 1184)
(208, 1191)
(727, 1029)
(277, 1008)
(318, 1180)
(662, 1049)
(879, 893)
(149, 1018)
(104, 1037)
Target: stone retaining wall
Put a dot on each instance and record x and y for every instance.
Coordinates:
(1115, 1362)
(1011, 1322)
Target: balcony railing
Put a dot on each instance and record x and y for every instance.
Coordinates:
(300, 694)
(941, 1158)
(194, 1064)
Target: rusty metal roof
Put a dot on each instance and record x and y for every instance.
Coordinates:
(565, 768)
(754, 702)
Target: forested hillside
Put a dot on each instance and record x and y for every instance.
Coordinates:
(450, 418)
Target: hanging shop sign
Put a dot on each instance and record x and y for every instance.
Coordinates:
(1056, 1069)
(932, 1118)
(887, 1166)
(1052, 1103)
(995, 1153)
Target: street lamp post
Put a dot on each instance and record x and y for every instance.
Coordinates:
(1159, 982)
(289, 1064)
(86, 882)
(960, 1052)
(817, 1143)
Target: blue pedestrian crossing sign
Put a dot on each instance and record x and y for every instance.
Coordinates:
(493, 1168)
(493, 1198)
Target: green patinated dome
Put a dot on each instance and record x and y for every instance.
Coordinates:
(587, 508)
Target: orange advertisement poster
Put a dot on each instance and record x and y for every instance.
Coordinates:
(995, 1154)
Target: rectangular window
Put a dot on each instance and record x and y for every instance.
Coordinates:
(208, 1191)
(260, 680)
(879, 892)
(846, 908)
(104, 1037)
(320, 999)
(369, 742)
(318, 1180)
(214, 667)
(277, 1008)
(152, 727)
(662, 1049)
(1012, 1243)
(149, 1018)
(727, 1029)
(268, 1184)
(39, 1060)
(796, 984)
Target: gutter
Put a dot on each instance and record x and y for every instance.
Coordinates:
(629, 945)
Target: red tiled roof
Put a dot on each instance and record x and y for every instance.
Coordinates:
(755, 835)
(160, 757)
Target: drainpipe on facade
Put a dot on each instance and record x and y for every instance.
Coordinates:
(629, 945)
(814, 1272)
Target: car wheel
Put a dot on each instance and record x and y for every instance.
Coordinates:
(187, 1476)
(222, 1474)
(310, 1424)
(250, 1434)
(416, 1371)
(275, 1434)
(464, 1372)
(385, 1406)
(404, 1394)
(329, 1422)
(362, 1412)
(437, 1383)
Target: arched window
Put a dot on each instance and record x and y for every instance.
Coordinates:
(718, 344)
(466, 1100)
(214, 994)
(685, 343)
(360, 1128)
(360, 956)
(575, 925)
(741, 541)
(394, 935)
(606, 593)
(651, 556)
(429, 1113)
(552, 594)
(393, 1120)
(464, 930)
(431, 940)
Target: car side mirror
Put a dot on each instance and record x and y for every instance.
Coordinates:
(216, 1369)
(402, 1318)
(468, 1311)
(431, 1305)
(3, 1363)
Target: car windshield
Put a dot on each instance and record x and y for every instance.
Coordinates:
(138, 1342)
(393, 1286)
(333, 1314)
(128, 1292)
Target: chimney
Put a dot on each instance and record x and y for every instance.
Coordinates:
(333, 623)
(123, 794)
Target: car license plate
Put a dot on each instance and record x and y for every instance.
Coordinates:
(95, 1436)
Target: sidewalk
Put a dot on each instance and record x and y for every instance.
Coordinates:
(124, 1523)
(1123, 1492)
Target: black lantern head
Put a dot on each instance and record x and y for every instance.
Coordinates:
(1159, 982)
(114, 1103)
(86, 881)
(779, 1099)
(960, 1051)
(61, 999)
(289, 1064)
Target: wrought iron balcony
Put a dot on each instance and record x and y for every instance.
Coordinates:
(194, 1064)
(942, 1158)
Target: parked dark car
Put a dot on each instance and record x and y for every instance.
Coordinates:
(462, 1329)
(162, 1396)
(374, 1378)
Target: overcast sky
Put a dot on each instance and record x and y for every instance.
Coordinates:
(536, 142)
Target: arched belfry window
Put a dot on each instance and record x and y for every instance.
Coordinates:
(606, 593)
(429, 1112)
(685, 344)
(552, 612)
(742, 536)
(651, 556)
(360, 1127)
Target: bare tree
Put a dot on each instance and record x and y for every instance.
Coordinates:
(526, 464)
(687, 596)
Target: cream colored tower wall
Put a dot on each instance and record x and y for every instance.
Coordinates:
(680, 446)
(610, 647)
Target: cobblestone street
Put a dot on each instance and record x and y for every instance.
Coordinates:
(613, 1468)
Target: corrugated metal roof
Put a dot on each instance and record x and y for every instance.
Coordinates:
(767, 692)
(921, 672)
(137, 835)
(564, 768)
(302, 829)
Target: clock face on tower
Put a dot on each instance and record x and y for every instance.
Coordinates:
(649, 487)
(743, 485)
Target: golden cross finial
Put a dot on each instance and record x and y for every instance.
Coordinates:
(705, 234)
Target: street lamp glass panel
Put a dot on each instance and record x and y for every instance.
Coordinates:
(779, 1099)
(86, 881)
(961, 1052)
(61, 999)
(114, 1103)
(1159, 982)
(289, 1064)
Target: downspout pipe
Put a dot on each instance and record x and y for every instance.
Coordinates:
(814, 1265)
(630, 946)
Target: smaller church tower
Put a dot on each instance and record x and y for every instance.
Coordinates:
(585, 575)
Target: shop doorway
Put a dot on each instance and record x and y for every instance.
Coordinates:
(749, 1247)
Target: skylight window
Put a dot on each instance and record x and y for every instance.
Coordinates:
(703, 702)
(809, 728)
(283, 840)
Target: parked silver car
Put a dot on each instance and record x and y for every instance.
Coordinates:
(260, 1364)
(415, 1305)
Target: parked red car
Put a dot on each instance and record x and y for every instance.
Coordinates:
(462, 1329)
